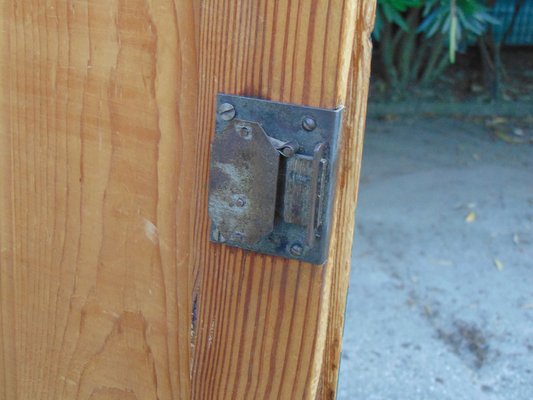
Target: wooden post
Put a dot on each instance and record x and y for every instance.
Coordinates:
(109, 286)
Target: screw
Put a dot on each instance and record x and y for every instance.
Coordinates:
(240, 202)
(244, 131)
(296, 250)
(288, 151)
(309, 124)
(226, 111)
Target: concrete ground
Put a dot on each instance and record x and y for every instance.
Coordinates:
(441, 296)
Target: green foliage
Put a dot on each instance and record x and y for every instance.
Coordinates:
(425, 29)
(392, 11)
(459, 21)
(462, 21)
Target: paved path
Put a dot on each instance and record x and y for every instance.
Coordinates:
(441, 308)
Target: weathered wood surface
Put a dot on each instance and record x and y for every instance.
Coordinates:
(109, 288)
(350, 167)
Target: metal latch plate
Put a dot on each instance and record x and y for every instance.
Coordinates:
(272, 177)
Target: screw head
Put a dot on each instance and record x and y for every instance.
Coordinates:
(309, 124)
(288, 151)
(240, 202)
(296, 250)
(226, 111)
(244, 131)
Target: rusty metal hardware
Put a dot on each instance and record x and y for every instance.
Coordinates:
(272, 177)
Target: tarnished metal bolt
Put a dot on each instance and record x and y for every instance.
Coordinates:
(245, 131)
(309, 124)
(296, 250)
(288, 151)
(240, 202)
(226, 111)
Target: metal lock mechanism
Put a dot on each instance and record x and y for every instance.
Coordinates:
(272, 178)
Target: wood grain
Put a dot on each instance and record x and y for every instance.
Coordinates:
(95, 270)
(109, 288)
(262, 322)
(350, 164)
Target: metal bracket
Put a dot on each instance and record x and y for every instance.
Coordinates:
(272, 178)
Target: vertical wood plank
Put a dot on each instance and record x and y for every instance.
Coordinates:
(98, 103)
(109, 287)
(8, 376)
(350, 164)
(262, 322)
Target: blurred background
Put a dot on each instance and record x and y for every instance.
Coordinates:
(441, 294)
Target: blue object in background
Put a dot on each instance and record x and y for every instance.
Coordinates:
(522, 33)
